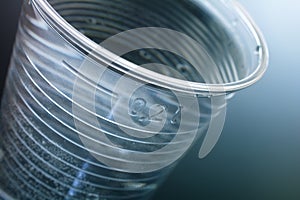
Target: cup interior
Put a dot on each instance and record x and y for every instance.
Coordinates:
(225, 50)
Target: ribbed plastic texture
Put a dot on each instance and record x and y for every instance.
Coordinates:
(43, 154)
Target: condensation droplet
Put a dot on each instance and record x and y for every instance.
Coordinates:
(201, 95)
(91, 20)
(1, 154)
(81, 31)
(183, 68)
(257, 49)
(230, 96)
(224, 1)
(102, 23)
(235, 22)
(92, 196)
(150, 187)
(133, 185)
(145, 54)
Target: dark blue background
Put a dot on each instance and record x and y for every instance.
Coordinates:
(257, 156)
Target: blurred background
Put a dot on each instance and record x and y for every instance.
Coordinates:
(258, 154)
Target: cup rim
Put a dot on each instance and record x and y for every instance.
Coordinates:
(74, 36)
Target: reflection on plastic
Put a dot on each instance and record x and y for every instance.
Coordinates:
(124, 88)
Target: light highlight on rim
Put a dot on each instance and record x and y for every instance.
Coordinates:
(86, 44)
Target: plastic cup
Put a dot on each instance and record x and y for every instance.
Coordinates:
(103, 97)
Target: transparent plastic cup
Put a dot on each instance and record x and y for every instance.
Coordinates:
(103, 97)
